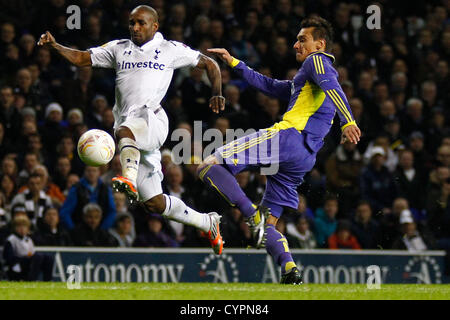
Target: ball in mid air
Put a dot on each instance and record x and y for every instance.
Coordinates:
(96, 147)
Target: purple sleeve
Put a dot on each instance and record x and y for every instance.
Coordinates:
(323, 74)
(280, 89)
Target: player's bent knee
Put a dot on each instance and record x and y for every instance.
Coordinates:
(157, 204)
(210, 160)
(124, 132)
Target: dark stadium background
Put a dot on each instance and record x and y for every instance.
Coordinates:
(396, 79)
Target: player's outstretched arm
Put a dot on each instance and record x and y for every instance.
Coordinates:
(280, 89)
(75, 57)
(217, 101)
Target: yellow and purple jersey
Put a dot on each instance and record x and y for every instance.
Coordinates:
(314, 96)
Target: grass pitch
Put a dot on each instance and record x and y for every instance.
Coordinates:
(218, 291)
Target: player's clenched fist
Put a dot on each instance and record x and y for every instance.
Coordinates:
(46, 39)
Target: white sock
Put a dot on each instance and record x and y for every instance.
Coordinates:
(129, 158)
(178, 211)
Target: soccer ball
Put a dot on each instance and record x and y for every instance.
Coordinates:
(96, 147)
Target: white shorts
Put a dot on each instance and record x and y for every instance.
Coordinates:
(150, 130)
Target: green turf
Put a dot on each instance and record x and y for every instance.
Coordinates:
(211, 291)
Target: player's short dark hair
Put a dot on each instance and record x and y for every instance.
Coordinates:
(149, 10)
(322, 30)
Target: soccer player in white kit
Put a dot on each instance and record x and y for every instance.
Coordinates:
(144, 68)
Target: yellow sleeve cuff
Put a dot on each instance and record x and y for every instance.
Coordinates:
(351, 123)
(234, 62)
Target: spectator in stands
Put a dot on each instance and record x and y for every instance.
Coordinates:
(61, 172)
(376, 183)
(436, 130)
(74, 117)
(438, 207)
(108, 121)
(299, 234)
(241, 48)
(410, 182)
(27, 44)
(325, 222)
(234, 111)
(365, 228)
(94, 115)
(19, 254)
(88, 233)
(72, 179)
(428, 94)
(24, 87)
(5, 231)
(389, 222)
(50, 189)
(196, 94)
(53, 127)
(8, 188)
(413, 119)
(382, 140)
(443, 155)
(411, 239)
(155, 236)
(342, 238)
(123, 230)
(35, 145)
(67, 148)
(29, 127)
(343, 168)
(5, 144)
(78, 92)
(4, 214)
(396, 138)
(34, 199)
(50, 232)
(89, 189)
(10, 116)
(9, 166)
(30, 161)
(120, 200)
(174, 185)
(422, 159)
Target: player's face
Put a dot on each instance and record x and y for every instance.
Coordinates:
(142, 27)
(306, 44)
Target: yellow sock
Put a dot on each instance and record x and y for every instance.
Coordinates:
(289, 265)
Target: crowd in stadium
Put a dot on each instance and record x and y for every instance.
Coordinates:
(391, 191)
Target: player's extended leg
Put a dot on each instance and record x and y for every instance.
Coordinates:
(129, 159)
(277, 247)
(175, 209)
(224, 183)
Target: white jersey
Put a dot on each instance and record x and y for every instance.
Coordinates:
(143, 74)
